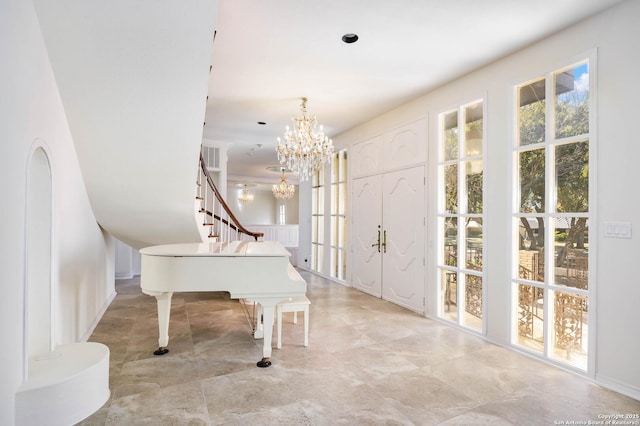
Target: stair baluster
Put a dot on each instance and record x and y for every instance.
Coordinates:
(223, 225)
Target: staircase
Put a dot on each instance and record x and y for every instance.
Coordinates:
(219, 222)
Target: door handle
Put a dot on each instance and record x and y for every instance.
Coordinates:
(378, 242)
(384, 241)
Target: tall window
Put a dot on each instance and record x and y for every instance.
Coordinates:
(551, 218)
(317, 220)
(338, 214)
(460, 215)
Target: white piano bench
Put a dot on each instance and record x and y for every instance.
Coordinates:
(295, 305)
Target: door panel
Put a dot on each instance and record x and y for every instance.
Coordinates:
(403, 213)
(394, 204)
(367, 217)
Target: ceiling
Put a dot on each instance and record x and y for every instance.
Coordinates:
(267, 55)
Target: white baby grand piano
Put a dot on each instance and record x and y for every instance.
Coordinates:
(254, 270)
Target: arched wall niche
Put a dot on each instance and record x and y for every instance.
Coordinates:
(67, 382)
(38, 304)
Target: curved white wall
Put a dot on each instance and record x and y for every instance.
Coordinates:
(81, 254)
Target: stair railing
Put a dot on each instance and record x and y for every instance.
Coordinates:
(219, 219)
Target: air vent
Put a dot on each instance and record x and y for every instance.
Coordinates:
(211, 155)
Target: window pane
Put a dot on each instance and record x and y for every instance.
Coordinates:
(532, 186)
(314, 200)
(334, 261)
(572, 177)
(451, 188)
(474, 178)
(314, 228)
(334, 199)
(473, 301)
(570, 328)
(314, 257)
(449, 297)
(342, 238)
(474, 244)
(572, 101)
(342, 200)
(340, 264)
(450, 136)
(571, 252)
(320, 257)
(450, 241)
(530, 317)
(531, 254)
(320, 239)
(531, 114)
(334, 231)
(320, 202)
(473, 130)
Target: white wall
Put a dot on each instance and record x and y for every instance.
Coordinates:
(304, 237)
(127, 261)
(263, 210)
(614, 34)
(82, 255)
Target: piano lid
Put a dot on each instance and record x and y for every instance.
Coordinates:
(231, 249)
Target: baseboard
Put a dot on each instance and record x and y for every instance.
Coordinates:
(98, 317)
(326, 277)
(124, 276)
(618, 386)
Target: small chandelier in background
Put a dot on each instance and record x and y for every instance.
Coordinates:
(245, 196)
(304, 149)
(283, 190)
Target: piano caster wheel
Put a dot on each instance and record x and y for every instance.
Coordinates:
(264, 362)
(160, 351)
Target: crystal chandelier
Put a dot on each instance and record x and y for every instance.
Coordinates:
(283, 190)
(245, 196)
(304, 149)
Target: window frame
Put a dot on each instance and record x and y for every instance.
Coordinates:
(445, 272)
(550, 214)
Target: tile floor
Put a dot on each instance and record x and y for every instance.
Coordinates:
(369, 363)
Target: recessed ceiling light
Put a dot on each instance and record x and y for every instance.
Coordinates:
(262, 123)
(350, 38)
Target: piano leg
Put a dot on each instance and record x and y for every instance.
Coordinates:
(164, 311)
(267, 319)
(259, 331)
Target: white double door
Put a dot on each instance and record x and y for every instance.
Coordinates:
(388, 236)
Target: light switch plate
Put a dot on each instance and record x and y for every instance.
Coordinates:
(617, 229)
